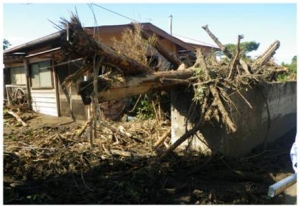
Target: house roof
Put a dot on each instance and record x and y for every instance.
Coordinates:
(196, 43)
(32, 44)
(54, 37)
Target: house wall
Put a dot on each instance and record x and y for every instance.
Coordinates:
(206, 50)
(272, 115)
(70, 102)
(169, 46)
(44, 99)
(107, 37)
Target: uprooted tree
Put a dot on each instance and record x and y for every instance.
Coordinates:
(209, 78)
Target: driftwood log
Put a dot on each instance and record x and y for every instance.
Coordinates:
(115, 89)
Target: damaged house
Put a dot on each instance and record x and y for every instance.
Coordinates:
(35, 70)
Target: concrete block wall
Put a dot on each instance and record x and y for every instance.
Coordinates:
(273, 114)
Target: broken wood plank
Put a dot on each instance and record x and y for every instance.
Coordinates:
(162, 138)
(17, 117)
(79, 132)
(120, 153)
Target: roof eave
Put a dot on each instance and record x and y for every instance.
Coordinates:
(24, 46)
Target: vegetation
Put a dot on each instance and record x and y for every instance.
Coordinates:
(133, 45)
(6, 44)
(245, 47)
(291, 74)
(148, 106)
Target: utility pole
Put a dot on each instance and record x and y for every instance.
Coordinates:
(170, 23)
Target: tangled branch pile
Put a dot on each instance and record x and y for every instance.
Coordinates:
(211, 79)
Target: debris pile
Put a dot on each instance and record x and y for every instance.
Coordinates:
(103, 162)
(210, 79)
(49, 146)
(52, 165)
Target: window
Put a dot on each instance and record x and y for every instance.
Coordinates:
(17, 75)
(41, 75)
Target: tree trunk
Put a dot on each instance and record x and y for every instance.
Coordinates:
(82, 44)
(110, 89)
(172, 58)
(140, 85)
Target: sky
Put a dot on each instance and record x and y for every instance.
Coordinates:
(260, 22)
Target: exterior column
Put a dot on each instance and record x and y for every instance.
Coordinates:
(27, 72)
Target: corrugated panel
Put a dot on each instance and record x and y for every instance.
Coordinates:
(44, 101)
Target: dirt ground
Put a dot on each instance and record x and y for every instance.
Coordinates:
(46, 163)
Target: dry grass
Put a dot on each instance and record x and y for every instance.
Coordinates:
(133, 45)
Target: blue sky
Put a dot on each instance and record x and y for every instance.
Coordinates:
(263, 23)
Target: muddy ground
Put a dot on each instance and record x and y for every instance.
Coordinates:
(47, 163)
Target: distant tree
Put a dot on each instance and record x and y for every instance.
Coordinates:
(291, 74)
(245, 47)
(293, 65)
(6, 44)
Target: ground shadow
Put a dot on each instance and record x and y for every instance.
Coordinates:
(174, 180)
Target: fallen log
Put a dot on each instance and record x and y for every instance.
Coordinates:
(265, 57)
(113, 89)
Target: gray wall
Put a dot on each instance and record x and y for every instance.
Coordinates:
(272, 115)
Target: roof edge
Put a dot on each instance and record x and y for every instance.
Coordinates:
(32, 43)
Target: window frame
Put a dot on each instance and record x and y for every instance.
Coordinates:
(14, 69)
(39, 72)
